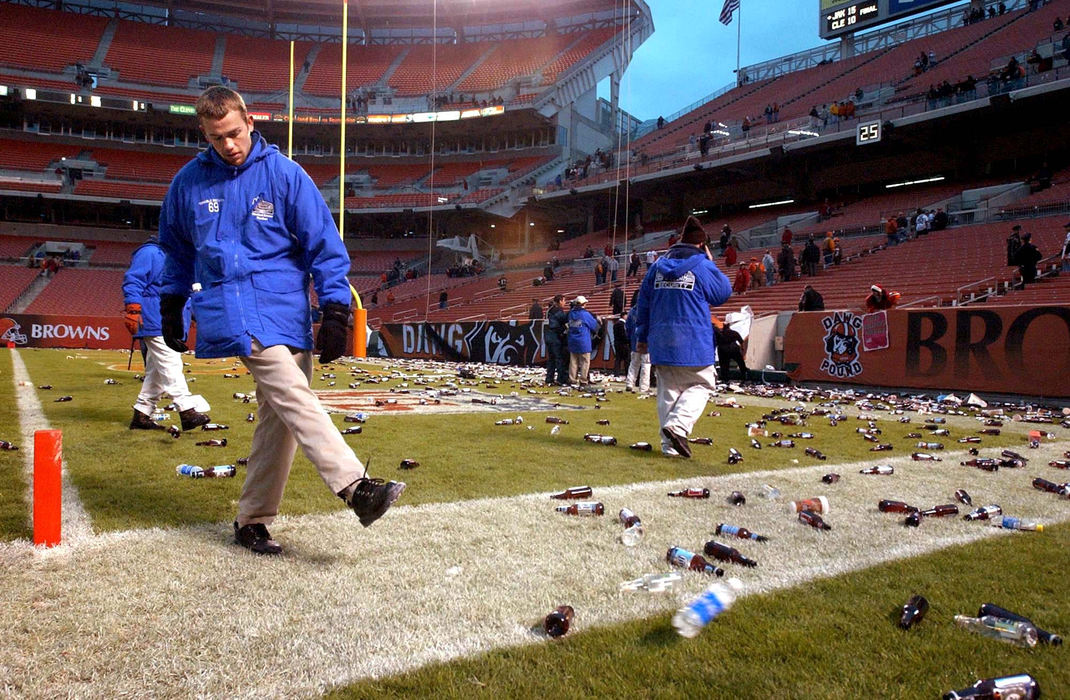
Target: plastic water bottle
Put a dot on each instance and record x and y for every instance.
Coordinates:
(1011, 523)
(190, 470)
(718, 597)
(653, 583)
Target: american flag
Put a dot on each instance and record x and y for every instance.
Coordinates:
(730, 6)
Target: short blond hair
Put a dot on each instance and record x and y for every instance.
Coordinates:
(217, 101)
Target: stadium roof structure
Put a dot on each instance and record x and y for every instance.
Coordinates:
(402, 14)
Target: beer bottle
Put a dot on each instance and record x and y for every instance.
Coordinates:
(504, 421)
(1010, 523)
(678, 556)
(633, 527)
(718, 597)
(740, 532)
(691, 493)
(250, 418)
(9, 446)
(881, 447)
(243, 460)
(1051, 487)
(45, 387)
(989, 465)
(983, 513)
(736, 498)
(573, 492)
(818, 504)
(642, 446)
(878, 469)
(700, 441)
(582, 508)
(734, 456)
(755, 444)
(813, 520)
(913, 612)
(801, 436)
(970, 439)
(940, 432)
(912, 520)
(353, 430)
(830, 478)
(989, 431)
(941, 511)
(1011, 454)
(973, 451)
(63, 398)
(887, 506)
(221, 471)
(1013, 631)
(930, 445)
(924, 457)
(557, 622)
(962, 497)
(555, 419)
(408, 464)
(1008, 463)
(600, 439)
(870, 438)
(1060, 463)
(913, 436)
(782, 443)
(1019, 687)
(602, 421)
(359, 417)
(215, 426)
(212, 443)
(816, 453)
(239, 395)
(1042, 636)
(723, 552)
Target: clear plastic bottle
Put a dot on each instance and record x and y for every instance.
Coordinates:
(1020, 687)
(654, 583)
(1012, 523)
(190, 470)
(770, 492)
(718, 597)
(1016, 632)
(633, 527)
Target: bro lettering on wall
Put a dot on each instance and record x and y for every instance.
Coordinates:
(1006, 349)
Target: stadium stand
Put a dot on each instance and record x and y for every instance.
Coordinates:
(154, 55)
(514, 59)
(35, 156)
(14, 247)
(81, 292)
(51, 40)
(261, 65)
(14, 279)
(110, 252)
(434, 68)
(365, 65)
(576, 53)
(140, 165)
(115, 189)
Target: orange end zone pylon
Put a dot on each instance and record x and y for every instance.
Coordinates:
(47, 487)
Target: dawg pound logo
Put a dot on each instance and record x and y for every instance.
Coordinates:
(11, 331)
(842, 339)
(502, 343)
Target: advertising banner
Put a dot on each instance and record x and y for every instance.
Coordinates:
(1008, 349)
(90, 332)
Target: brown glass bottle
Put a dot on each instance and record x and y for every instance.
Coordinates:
(813, 520)
(582, 508)
(691, 493)
(941, 511)
(723, 552)
(574, 492)
(557, 623)
(887, 506)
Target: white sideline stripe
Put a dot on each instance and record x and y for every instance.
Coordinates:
(184, 612)
(76, 525)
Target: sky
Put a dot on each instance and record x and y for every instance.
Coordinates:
(691, 54)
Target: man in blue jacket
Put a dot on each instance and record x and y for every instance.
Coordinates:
(673, 324)
(582, 325)
(249, 227)
(163, 366)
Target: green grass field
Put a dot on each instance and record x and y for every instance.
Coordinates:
(833, 637)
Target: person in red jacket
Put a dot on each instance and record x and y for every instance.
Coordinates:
(742, 281)
(880, 299)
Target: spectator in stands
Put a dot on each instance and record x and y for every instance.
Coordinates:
(599, 272)
(548, 272)
(785, 236)
(903, 226)
(616, 299)
(218, 228)
(554, 337)
(673, 323)
(757, 273)
(837, 255)
(729, 349)
(612, 267)
(633, 264)
(742, 281)
(726, 235)
(1066, 249)
(535, 310)
(163, 366)
(770, 268)
(503, 283)
(811, 256)
(891, 231)
(921, 223)
(811, 300)
(1014, 244)
(879, 299)
(589, 252)
(639, 362)
(661, 122)
(829, 248)
(731, 255)
(1027, 258)
(443, 299)
(651, 256)
(582, 326)
(785, 263)
(939, 220)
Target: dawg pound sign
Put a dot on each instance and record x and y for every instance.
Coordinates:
(842, 340)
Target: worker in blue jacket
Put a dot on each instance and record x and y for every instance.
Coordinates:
(163, 366)
(582, 326)
(673, 324)
(247, 228)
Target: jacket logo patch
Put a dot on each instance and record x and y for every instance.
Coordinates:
(213, 204)
(263, 210)
(685, 282)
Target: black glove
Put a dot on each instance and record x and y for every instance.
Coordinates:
(331, 340)
(174, 332)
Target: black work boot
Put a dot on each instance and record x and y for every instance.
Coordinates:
(192, 419)
(142, 422)
(679, 442)
(370, 498)
(256, 538)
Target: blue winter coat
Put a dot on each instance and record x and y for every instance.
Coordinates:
(141, 285)
(674, 307)
(581, 325)
(629, 327)
(251, 236)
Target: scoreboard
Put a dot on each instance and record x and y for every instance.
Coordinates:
(844, 16)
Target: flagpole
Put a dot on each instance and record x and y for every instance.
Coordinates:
(739, 34)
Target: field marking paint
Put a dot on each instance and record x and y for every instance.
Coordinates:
(77, 526)
(184, 612)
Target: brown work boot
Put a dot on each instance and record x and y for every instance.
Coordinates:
(142, 422)
(256, 538)
(191, 418)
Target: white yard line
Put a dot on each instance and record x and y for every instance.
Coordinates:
(183, 612)
(76, 525)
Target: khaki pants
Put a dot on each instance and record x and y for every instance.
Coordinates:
(579, 367)
(682, 396)
(289, 415)
(163, 375)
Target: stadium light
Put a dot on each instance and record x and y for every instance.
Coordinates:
(771, 204)
(937, 178)
(803, 132)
